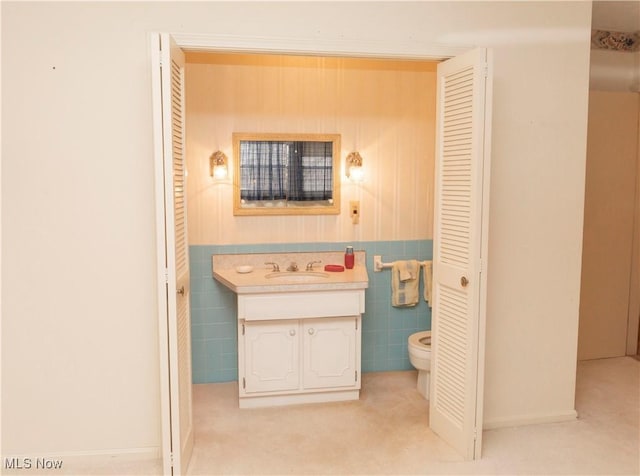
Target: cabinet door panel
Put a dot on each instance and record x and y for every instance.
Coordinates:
(271, 356)
(330, 353)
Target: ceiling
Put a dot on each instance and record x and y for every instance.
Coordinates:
(616, 16)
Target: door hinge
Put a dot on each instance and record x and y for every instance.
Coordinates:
(166, 275)
(356, 323)
(356, 375)
(485, 70)
(244, 383)
(172, 460)
(243, 328)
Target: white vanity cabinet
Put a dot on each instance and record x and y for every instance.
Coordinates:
(299, 347)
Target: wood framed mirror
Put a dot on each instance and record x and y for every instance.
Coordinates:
(286, 174)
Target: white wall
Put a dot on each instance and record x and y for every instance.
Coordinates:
(79, 326)
(610, 196)
(79, 340)
(633, 332)
(615, 71)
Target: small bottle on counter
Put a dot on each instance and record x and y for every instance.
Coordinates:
(349, 258)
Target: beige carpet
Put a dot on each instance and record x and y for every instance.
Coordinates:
(386, 432)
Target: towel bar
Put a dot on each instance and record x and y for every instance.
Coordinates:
(378, 265)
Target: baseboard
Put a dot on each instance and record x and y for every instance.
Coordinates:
(522, 420)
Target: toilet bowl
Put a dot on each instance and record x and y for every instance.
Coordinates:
(420, 357)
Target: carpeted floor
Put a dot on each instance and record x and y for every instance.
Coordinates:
(386, 432)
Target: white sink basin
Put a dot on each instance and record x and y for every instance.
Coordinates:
(299, 276)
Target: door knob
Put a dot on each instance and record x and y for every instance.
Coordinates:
(181, 291)
(311, 331)
(292, 332)
(464, 281)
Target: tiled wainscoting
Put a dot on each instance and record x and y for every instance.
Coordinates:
(385, 329)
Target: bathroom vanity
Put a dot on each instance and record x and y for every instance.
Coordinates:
(299, 332)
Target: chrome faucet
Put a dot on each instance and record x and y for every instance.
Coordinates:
(293, 266)
(276, 268)
(310, 265)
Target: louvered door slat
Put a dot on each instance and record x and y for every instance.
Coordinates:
(181, 251)
(177, 450)
(453, 409)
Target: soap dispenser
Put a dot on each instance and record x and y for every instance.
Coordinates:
(349, 258)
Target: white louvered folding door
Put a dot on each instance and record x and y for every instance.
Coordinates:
(460, 233)
(177, 404)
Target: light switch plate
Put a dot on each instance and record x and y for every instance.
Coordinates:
(354, 211)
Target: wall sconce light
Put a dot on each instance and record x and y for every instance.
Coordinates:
(353, 169)
(218, 165)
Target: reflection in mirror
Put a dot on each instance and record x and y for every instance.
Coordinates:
(286, 174)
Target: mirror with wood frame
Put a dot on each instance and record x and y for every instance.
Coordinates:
(286, 174)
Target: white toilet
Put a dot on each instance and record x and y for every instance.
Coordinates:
(420, 358)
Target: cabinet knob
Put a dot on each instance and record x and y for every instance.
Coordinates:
(292, 332)
(311, 331)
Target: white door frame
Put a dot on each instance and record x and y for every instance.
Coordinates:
(316, 47)
(283, 45)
